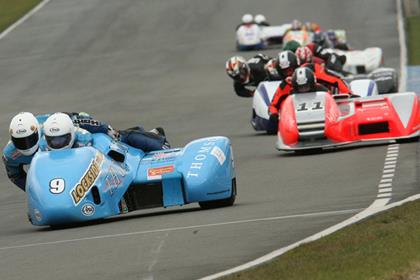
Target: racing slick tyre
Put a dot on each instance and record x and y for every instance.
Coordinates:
(222, 202)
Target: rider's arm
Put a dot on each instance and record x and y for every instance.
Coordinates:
(14, 169)
(241, 90)
(83, 138)
(281, 93)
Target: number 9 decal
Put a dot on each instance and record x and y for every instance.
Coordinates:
(57, 186)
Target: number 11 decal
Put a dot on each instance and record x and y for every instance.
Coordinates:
(315, 106)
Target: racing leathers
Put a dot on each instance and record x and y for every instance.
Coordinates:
(257, 75)
(283, 91)
(16, 163)
(328, 78)
(331, 60)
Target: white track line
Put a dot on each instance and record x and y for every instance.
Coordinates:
(403, 47)
(306, 215)
(23, 19)
(383, 197)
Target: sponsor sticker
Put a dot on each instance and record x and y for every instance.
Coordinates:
(114, 179)
(219, 154)
(88, 209)
(21, 131)
(157, 172)
(88, 179)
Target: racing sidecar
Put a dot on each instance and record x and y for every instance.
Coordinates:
(319, 120)
(265, 91)
(110, 178)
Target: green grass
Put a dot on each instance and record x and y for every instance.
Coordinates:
(386, 246)
(413, 38)
(12, 10)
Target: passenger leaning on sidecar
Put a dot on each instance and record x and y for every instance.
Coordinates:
(26, 132)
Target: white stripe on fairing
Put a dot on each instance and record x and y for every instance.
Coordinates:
(23, 19)
(388, 166)
(387, 175)
(384, 185)
(391, 162)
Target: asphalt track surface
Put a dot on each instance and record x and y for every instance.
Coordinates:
(161, 63)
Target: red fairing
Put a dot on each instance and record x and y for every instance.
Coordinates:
(372, 119)
(332, 113)
(414, 123)
(288, 130)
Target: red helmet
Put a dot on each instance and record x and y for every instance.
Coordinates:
(304, 54)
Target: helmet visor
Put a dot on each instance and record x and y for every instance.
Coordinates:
(243, 74)
(25, 143)
(58, 142)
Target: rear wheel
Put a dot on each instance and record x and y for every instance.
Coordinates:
(221, 202)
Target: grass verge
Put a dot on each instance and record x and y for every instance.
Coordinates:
(385, 246)
(12, 10)
(413, 37)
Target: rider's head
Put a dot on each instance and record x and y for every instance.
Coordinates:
(332, 36)
(24, 133)
(296, 25)
(288, 62)
(238, 69)
(319, 38)
(303, 80)
(304, 55)
(260, 19)
(59, 131)
(247, 19)
(291, 46)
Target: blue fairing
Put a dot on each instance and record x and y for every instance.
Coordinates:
(89, 183)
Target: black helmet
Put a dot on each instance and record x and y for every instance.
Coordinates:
(288, 62)
(303, 80)
(319, 38)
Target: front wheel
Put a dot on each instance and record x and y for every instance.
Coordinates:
(221, 202)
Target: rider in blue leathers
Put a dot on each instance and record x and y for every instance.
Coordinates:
(16, 159)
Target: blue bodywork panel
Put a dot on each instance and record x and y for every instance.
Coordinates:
(111, 178)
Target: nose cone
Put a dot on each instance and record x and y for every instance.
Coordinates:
(59, 184)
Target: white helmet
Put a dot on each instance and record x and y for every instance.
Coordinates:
(24, 133)
(260, 19)
(59, 131)
(247, 18)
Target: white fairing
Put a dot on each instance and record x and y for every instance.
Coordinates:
(249, 35)
(275, 31)
(262, 98)
(364, 88)
(369, 59)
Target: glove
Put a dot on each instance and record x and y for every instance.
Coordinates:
(274, 118)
